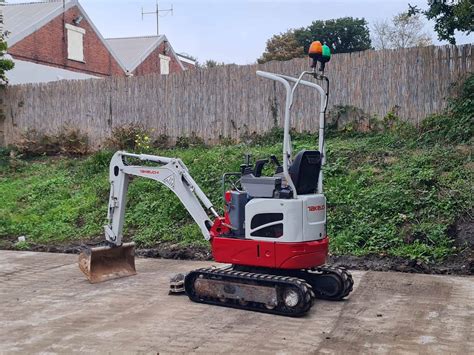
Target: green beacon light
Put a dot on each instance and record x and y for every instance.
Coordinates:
(326, 56)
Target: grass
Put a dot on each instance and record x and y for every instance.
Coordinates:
(386, 195)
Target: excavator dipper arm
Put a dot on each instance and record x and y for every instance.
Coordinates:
(172, 173)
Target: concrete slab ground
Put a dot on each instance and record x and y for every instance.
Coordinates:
(46, 305)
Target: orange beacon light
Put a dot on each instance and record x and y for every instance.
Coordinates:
(315, 52)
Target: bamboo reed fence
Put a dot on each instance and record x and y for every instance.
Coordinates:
(231, 101)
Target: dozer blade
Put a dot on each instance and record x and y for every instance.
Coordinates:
(106, 263)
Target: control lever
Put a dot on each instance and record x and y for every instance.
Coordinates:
(275, 161)
(246, 168)
(259, 164)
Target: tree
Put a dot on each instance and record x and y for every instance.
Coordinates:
(210, 63)
(381, 31)
(449, 16)
(343, 35)
(5, 63)
(404, 31)
(408, 32)
(283, 46)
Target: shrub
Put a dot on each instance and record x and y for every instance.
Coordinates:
(456, 124)
(192, 141)
(69, 141)
(73, 142)
(129, 136)
(162, 141)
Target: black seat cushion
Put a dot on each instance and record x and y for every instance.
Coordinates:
(305, 171)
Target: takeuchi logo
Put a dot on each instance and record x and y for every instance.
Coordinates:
(153, 172)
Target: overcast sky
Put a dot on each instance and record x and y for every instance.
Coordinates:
(232, 31)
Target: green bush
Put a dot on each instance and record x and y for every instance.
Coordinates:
(129, 137)
(456, 124)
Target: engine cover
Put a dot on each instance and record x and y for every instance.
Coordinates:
(286, 220)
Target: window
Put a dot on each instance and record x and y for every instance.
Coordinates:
(75, 43)
(164, 64)
(264, 218)
(266, 225)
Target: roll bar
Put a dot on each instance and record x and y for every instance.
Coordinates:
(290, 90)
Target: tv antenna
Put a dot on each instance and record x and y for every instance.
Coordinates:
(157, 14)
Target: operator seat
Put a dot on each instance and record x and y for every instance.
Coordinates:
(304, 171)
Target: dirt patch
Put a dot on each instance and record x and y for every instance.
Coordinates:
(462, 263)
(165, 250)
(176, 251)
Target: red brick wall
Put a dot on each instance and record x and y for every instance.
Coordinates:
(188, 66)
(152, 63)
(47, 46)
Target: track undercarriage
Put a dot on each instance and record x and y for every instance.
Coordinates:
(282, 292)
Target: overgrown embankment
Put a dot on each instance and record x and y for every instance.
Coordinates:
(401, 192)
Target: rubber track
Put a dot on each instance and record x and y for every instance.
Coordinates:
(230, 275)
(341, 273)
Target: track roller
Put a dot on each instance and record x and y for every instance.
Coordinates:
(283, 295)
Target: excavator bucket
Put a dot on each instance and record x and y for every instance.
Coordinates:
(106, 263)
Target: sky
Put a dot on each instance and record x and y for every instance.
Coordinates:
(233, 31)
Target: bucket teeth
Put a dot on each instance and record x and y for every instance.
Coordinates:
(106, 263)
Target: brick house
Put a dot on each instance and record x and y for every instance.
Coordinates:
(59, 34)
(146, 55)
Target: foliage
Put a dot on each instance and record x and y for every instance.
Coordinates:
(23, 245)
(449, 16)
(456, 125)
(128, 136)
(162, 141)
(68, 141)
(283, 46)
(342, 35)
(5, 63)
(142, 143)
(210, 63)
(386, 195)
(403, 31)
(192, 141)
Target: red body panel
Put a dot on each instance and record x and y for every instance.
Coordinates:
(271, 254)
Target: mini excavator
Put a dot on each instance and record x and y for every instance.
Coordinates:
(272, 237)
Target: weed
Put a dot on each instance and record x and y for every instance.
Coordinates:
(69, 141)
(162, 141)
(125, 137)
(456, 124)
(23, 245)
(189, 141)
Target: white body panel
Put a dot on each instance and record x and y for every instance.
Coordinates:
(314, 216)
(303, 218)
